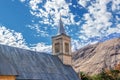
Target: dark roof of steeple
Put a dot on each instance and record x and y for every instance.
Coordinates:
(33, 65)
(61, 29)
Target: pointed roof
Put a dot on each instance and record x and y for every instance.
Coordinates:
(61, 29)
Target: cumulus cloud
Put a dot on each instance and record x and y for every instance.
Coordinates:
(76, 45)
(83, 2)
(49, 11)
(42, 47)
(39, 31)
(11, 38)
(15, 39)
(100, 20)
(116, 5)
(47, 14)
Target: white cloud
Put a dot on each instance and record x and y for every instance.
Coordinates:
(42, 47)
(15, 39)
(83, 2)
(34, 4)
(51, 8)
(39, 31)
(49, 14)
(54, 8)
(11, 38)
(116, 5)
(98, 21)
(76, 44)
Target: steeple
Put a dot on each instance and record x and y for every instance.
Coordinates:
(61, 29)
(61, 45)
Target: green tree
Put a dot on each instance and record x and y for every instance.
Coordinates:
(106, 74)
(84, 76)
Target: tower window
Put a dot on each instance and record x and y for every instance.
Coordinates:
(66, 47)
(57, 47)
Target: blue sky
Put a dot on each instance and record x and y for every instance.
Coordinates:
(30, 24)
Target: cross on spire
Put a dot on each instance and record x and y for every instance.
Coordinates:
(61, 29)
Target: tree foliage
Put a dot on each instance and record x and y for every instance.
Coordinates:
(106, 74)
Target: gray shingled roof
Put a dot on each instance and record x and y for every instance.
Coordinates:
(6, 68)
(33, 65)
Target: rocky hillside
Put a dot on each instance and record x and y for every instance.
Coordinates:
(93, 58)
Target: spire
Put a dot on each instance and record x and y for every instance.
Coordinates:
(61, 29)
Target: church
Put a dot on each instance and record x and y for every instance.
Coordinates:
(22, 64)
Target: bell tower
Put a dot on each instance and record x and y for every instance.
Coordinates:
(61, 45)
